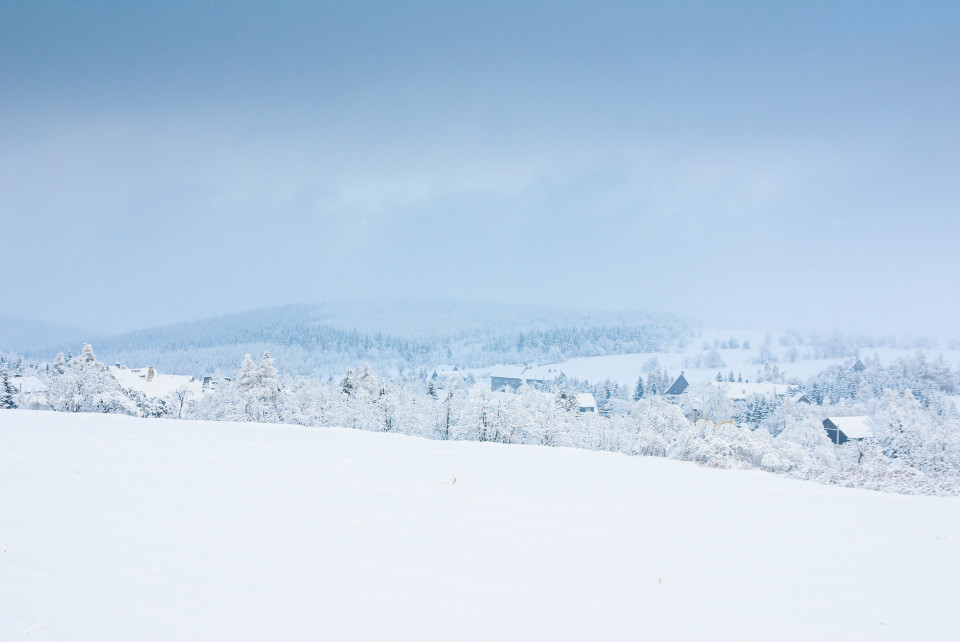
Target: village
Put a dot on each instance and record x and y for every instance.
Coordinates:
(507, 380)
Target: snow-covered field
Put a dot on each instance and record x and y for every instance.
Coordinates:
(625, 368)
(117, 528)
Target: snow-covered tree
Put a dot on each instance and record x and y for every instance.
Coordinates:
(706, 400)
(84, 384)
(8, 394)
(638, 390)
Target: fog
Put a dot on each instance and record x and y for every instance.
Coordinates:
(745, 164)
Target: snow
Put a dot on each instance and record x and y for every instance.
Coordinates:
(737, 390)
(625, 368)
(542, 373)
(118, 528)
(858, 427)
(505, 372)
(527, 373)
(447, 373)
(28, 384)
(586, 400)
(955, 400)
(159, 386)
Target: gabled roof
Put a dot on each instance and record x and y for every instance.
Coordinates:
(856, 427)
(542, 373)
(678, 386)
(586, 400)
(800, 396)
(447, 373)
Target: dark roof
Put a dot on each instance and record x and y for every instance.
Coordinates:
(678, 386)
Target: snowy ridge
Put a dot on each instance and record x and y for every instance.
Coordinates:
(397, 337)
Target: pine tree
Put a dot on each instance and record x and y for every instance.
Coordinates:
(59, 365)
(8, 397)
(248, 376)
(267, 373)
(638, 392)
(346, 385)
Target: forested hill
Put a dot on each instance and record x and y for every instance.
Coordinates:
(397, 338)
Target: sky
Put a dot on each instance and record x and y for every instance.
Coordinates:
(749, 164)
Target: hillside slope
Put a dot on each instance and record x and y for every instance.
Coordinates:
(396, 336)
(122, 528)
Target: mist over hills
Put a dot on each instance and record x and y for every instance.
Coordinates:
(20, 335)
(398, 337)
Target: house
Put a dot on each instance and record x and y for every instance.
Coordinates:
(147, 373)
(858, 366)
(800, 397)
(210, 382)
(586, 402)
(153, 384)
(678, 386)
(503, 377)
(542, 375)
(33, 392)
(28, 385)
(843, 429)
(444, 374)
(739, 391)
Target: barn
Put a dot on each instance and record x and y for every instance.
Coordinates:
(843, 429)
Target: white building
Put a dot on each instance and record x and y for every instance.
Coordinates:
(843, 429)
(152, 383)
(586, 402)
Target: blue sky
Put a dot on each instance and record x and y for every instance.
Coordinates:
(751, 164)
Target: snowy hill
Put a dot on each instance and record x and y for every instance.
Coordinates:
(122, 528)
(399, 336)
(700, 361)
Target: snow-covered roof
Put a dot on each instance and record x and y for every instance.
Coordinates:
(28, 384)
(507, 372)
(543, 373)
(538, 373)
(800, 396)
(856, 427)
(739, 390)
(161, 384)
(586, 400)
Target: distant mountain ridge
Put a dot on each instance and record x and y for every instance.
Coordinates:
(397, 337)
